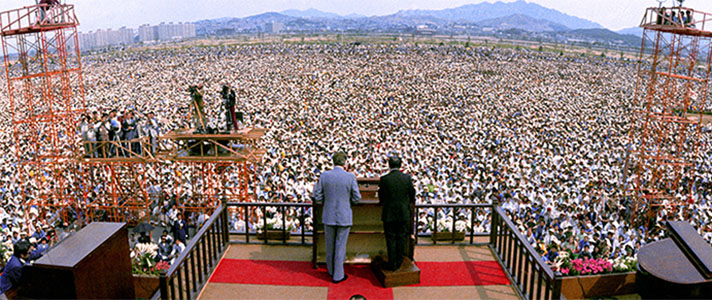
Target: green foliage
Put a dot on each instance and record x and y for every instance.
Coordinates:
(146, 265)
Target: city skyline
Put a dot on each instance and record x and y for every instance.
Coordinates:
(105, 14)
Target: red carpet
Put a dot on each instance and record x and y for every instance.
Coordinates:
(361, 279)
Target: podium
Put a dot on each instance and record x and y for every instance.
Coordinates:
(367, 241)
(93, 263)
(366, 238)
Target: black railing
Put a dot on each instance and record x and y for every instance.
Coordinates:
(191, 270)
(454, 211)
(301, 210)
(531, 277)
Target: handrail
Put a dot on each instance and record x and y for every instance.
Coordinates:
(655, 18)
(471, 232)
(265, 204)
(547, 271)
(205, 248)
(303, 212)
(531, 277)
(100, 150)
(282, 207)
(37, 16)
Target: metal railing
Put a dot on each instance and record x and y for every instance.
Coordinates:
(531, 277)
(139, 148)
(454, 209)
(28, 17)
(301, 209)
(191, 270)
(672, 18)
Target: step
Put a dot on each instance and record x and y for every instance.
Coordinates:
(407, 274)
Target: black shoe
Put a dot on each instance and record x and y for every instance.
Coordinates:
(340, 280)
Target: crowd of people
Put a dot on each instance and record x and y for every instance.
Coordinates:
(544, 133)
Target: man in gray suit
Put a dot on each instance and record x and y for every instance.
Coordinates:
(337, 190)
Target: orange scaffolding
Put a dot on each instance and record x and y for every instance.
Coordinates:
(46, 92)
(212, 167)
(671, 94)
(106, 180)
(117, 175)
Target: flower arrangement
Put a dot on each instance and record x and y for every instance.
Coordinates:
(144, 262)
(274, 222)
(588, 266)
(445, 225)
(625, 264)
(571, 265)
(5, 254)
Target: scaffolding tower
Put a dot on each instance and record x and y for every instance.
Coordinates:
(670, 98)
(46, 94)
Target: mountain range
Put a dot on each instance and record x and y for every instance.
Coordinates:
(529, 20)
(485, 10)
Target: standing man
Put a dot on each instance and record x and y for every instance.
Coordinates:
(397, 195)
(197, 107)
(228, 96)
(180, 229)
(337, 190)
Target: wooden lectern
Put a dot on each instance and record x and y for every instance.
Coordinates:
(367, 241)
(93, 263)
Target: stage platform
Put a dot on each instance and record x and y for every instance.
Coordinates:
(192, 146)
(257, 271)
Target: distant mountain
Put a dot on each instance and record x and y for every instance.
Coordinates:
(310, 14)
(269, 17)
(524, 22)
(607, 35)
(516, 20)
(637, 31)
(485, 10)
(354, 16)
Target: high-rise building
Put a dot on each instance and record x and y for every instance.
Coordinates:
(273, 27)
(147, 33)
(127, 36)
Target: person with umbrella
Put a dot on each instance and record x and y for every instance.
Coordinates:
(144, 229)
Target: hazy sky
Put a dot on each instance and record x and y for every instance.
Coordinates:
(95, 14)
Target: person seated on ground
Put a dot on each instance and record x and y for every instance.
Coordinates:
(165, 251)
(167, 236)
(12, 274)
(178, 248)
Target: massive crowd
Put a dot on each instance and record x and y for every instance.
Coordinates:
(542, 132)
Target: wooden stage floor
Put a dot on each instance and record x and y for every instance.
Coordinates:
(219, 289)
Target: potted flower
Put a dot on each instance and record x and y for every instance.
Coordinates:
(146, 270)
(595, 277)
(444, 232)
(273, 229)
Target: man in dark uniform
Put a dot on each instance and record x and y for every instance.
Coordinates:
(228, 96)
(397, 195)
(12, 273)
(180, 228)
